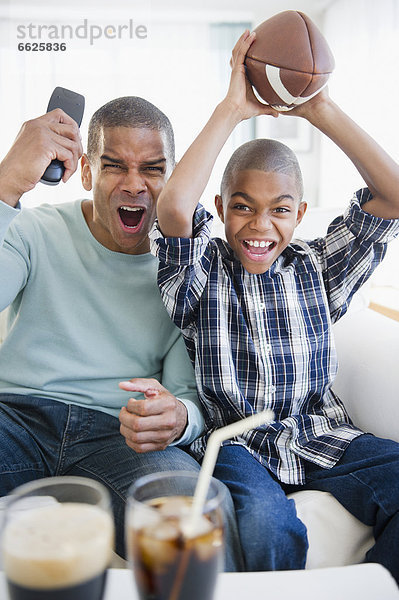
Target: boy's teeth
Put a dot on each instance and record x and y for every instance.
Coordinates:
(257, 244)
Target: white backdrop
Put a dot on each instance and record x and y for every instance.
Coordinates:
(364, 37)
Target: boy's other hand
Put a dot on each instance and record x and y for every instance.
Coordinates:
(313, 109)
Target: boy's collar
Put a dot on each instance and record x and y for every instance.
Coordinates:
(294, 249)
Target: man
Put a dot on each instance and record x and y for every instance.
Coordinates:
(85, 312)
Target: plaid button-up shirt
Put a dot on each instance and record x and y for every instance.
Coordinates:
(265, 341)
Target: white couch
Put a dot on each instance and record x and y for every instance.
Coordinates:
(368, 384)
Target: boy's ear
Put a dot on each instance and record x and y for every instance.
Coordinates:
(86, 173)
(219, 207)
(301, 211)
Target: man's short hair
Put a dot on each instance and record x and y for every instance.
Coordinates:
(265, 155)
(129, 111)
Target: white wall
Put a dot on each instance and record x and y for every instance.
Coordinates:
(364, 37)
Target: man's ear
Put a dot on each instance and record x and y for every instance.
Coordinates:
(85, 173)
(301, 211)
(219, 207)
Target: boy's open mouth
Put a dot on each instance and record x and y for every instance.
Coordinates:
(258, 247)
(131, 216)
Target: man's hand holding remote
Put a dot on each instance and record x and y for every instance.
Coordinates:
(54, 135)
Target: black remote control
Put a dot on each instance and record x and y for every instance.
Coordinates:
(73, 104)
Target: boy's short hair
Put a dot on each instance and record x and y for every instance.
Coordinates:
(129, 111)
(265, 155)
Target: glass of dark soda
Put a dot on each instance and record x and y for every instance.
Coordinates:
(57, 539)
(170, 560)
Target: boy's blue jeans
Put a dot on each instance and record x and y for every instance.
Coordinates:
(44, 438)
(365, 481)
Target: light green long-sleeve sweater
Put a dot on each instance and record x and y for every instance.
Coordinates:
(82, 318)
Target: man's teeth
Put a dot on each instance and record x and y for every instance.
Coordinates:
(131, 208)
(257, 244)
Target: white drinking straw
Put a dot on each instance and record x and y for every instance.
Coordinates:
(208, 464)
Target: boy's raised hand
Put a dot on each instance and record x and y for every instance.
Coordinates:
(240, 93)
(312, 110)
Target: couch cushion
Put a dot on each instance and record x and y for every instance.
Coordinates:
(336, 538)
(368, 376)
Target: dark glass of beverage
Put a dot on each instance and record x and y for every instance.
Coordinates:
(57, 540)
(170, 560)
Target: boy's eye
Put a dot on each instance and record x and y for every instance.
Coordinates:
(241, 207)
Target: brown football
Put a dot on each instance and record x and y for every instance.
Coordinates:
(289, 61)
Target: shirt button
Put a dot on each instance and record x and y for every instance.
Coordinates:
(272, 389)
(268, 348)
(262, 306)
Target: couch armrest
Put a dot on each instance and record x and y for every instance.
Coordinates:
(368, 375)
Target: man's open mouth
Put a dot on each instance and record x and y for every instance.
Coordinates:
(131, 216)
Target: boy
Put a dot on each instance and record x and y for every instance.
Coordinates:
(256, 314)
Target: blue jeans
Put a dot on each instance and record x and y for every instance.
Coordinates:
(365, 481)
(44, 438)
(272, 537)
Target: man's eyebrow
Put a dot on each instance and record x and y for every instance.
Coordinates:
(155, 161)
(120, 161)
(112, 159)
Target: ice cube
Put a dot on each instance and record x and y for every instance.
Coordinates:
(142, 515)
(166, 530)
(208, 545)
(202, 526)
(158, 545)
(175, 506)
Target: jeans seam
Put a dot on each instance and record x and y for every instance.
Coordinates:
(63, 443)
(20, 469)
